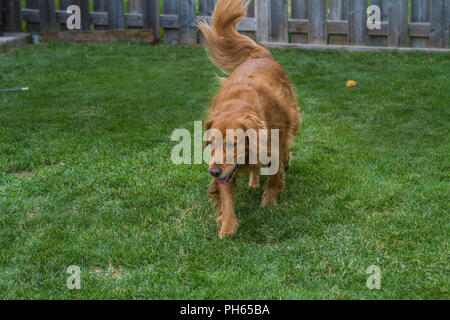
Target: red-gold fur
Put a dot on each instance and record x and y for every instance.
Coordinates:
(257, 95)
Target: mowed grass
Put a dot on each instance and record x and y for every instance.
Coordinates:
(86, 179)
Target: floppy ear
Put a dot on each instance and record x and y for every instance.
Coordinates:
(208, 125)
(252, 122)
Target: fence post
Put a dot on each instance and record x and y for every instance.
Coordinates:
(150, 16)
(299, 10)
(1, 17)
(186, 20)
(357, 22)
(206, 7)
(339, 12)
(170, 35)
(63, 5)
(47, 15)
(13, 15)
(440, 20)
(317, 27)
(398, 23)
(136, 7)
(380, 41)
(85, 18)
(116, 18)
(420, 12)
(84, 7)
(251, 9)
(279, 21)
(32, 4)
(100, 6)
(263, 20)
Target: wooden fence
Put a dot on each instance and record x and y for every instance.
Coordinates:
(405, 23)
(1, 17)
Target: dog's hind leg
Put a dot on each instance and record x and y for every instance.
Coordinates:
(286, 149)
(272, 188)
(254, 178)
(287, 159)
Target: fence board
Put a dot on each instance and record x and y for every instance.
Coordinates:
(251, 9)
(250, 14)
(317, 27)
(338, 12)
(299, 10)
(279, 21)
(1, 17)
(263, 20)
(420, 12)
(353, 48)
(150, 17)
(186, 18)
(100, 6)
(440, 20)
(13, 15)
(101, 18)
(32, 4)
(357, 22)
(135, 6)
(378, 40)
(205, 8)
(85, 18)
(116, 18)
(398, 23)
(84, 8)
(171, 36)
(63, 5)
(429, 24)
(47, 15)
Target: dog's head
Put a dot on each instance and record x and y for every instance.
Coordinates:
(233, 138)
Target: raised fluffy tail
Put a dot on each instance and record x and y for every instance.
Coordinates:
(226, 47)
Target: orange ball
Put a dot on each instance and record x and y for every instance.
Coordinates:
(351, 84)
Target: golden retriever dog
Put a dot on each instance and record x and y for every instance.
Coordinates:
(257, 95)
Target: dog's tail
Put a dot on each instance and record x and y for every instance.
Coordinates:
(226, 47)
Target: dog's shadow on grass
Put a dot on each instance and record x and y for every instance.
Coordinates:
(293, 215)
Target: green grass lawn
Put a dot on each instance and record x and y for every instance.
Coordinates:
(86, 179)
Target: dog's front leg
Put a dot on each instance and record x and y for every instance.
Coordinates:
(227, 220)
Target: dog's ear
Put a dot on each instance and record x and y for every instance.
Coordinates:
(208, 125)
(251, 121)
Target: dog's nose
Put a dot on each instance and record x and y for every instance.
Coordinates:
(215, 171)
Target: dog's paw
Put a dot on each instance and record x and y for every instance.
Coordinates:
(253, 184)
(219, 221)
(268, 201)
(228, 228)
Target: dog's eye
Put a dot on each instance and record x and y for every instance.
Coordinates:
(210, 144)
